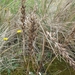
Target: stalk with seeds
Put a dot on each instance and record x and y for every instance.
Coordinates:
(23, 25)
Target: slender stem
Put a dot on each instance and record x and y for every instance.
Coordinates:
(23, 25)
(49, 65)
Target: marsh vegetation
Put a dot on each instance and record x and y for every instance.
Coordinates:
(37, 37)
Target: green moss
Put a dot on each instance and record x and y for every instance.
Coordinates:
(60, 68)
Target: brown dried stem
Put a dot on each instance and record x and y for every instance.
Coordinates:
(23, 25)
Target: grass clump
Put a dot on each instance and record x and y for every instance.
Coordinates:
(37, 36)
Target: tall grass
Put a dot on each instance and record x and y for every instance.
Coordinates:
(46, 27)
